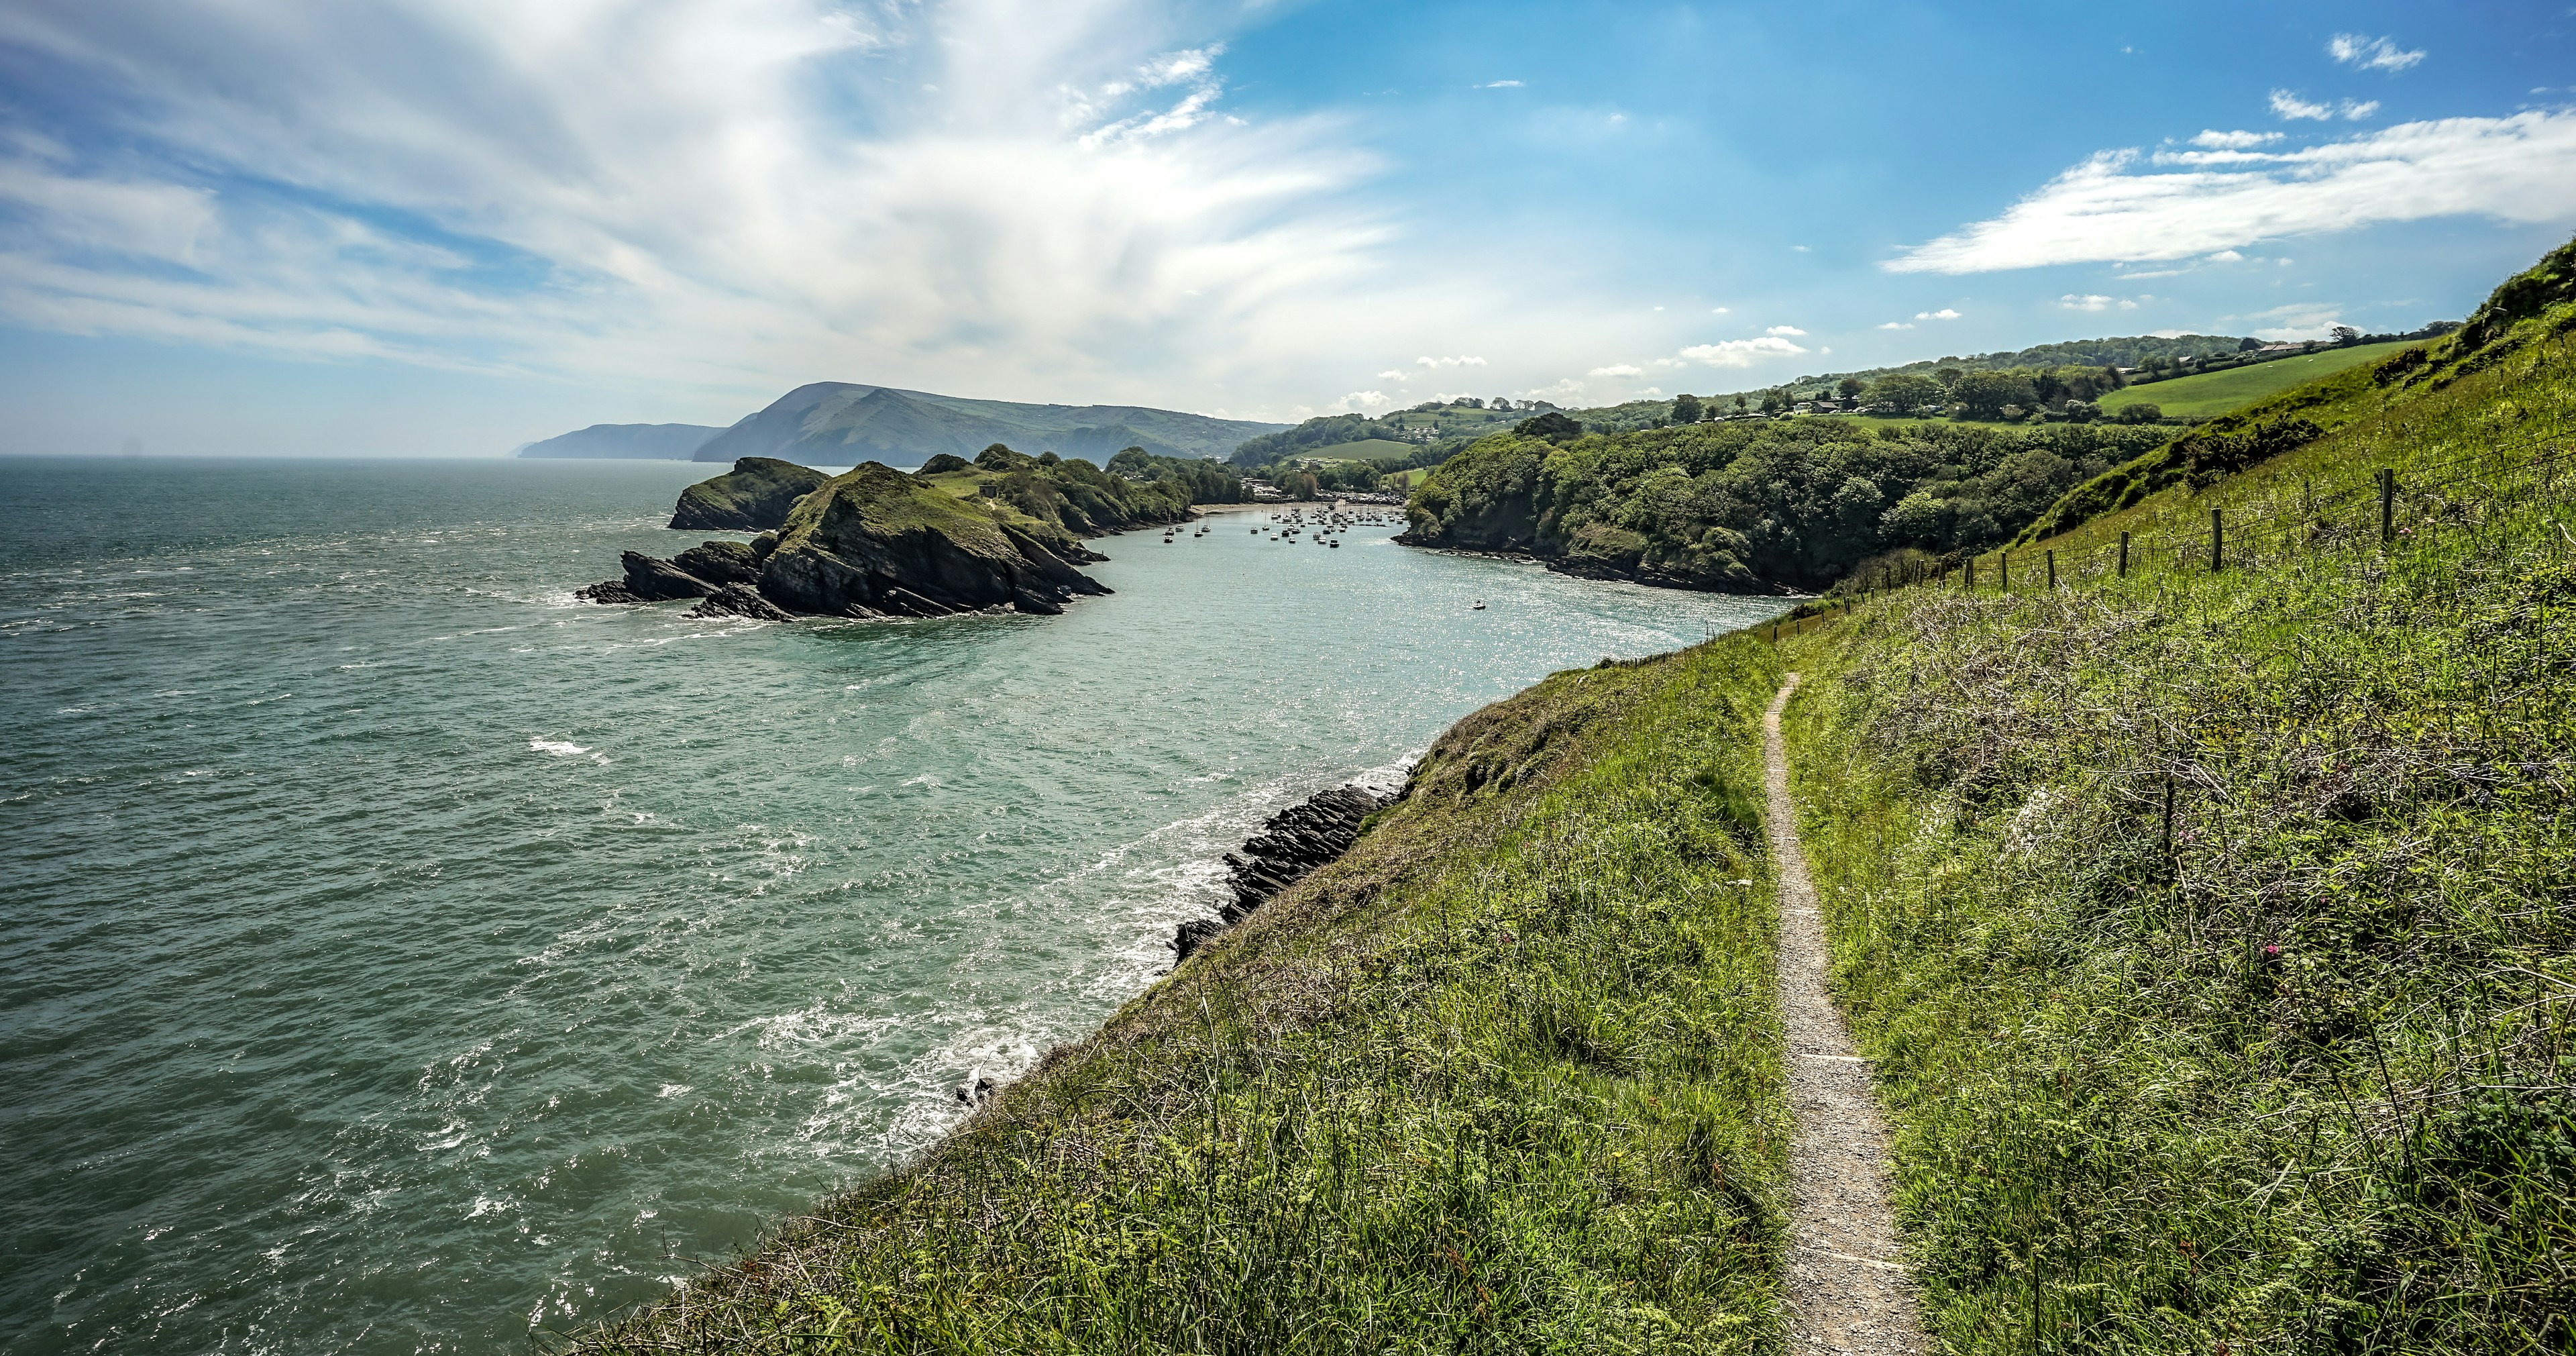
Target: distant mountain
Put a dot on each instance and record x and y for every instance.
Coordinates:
(834, 423)
(651, 442)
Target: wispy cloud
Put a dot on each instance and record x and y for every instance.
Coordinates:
(1462, 360)
(2095, 302)
(2518, 169)
(2370, 54)
(1945, 313)
(2234, 141)
(723, 195)
(1500, 84)
(2288, 105)
(1617, 370)
(1790, 331)
(1897, 325)
(2299, 320)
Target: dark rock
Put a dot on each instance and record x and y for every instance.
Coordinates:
(647, 581)
(722, 562)
(739, 600)
(753, 497)
(1312, 833)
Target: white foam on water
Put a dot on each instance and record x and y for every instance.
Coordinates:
(560, 748)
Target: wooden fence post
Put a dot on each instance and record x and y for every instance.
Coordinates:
(2052, 571)
(2387, 504)
(2217, 540)
(1971, 576)
(2003, 571)
(2124, 555)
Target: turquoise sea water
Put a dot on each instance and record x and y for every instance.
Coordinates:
(397, 955)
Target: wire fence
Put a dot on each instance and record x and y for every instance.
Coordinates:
(2485, 490)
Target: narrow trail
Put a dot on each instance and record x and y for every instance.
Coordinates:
(1847, 1290)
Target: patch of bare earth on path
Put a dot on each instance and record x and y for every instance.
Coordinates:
(1847, 1290)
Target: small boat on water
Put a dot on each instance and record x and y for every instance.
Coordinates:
(1479, 607)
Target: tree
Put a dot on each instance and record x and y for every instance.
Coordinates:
(1687, 409)
(1948, 377)
(1552, 426)
(1851, 387)
(1986, 394)
(2140, 413)
(1741, 403)
(2248, 344)
(1907, 391)
(2345, 336)
(1775, 400)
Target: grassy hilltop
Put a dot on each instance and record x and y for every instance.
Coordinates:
(2293, 1074)
(2214, 393)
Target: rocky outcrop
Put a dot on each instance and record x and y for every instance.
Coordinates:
(647, 580)
(724, 562)
(1312, 833)
(753, 497)
(740, 600)
(872, 543)
(877, 543)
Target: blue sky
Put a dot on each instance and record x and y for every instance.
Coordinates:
(379, 227)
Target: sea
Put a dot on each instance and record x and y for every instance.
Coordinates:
(400, 955)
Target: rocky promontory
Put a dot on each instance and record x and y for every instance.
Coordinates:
(1312, 833)
(753, 497)
(872, 543)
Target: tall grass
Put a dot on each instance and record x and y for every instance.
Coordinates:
(1507, 1078)
(2300, 1075)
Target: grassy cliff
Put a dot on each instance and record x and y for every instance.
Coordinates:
(2214, 933)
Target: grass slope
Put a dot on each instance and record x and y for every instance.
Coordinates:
(1506, 1078)
(2224, 392)
(2300, 1081)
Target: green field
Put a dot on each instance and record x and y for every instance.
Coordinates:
(2221, 392)
(1366, 449)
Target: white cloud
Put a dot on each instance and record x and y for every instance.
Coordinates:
(1791, 331)
(2234, 141)
(1395, 374)
(1461, 360)
(1945, 313)
(2222, 257)
(1717, 310)
(1362, 402)
(1897, 325)
(1500, 84)
(1741, 352)
(1650, 393)
(1617, 370)
(2288, 105)
(2304, 320)
(2370, 54)
(1566, 388)
(1802, 249)
(2355, 112)
(2519, 169)
(2097, 302)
